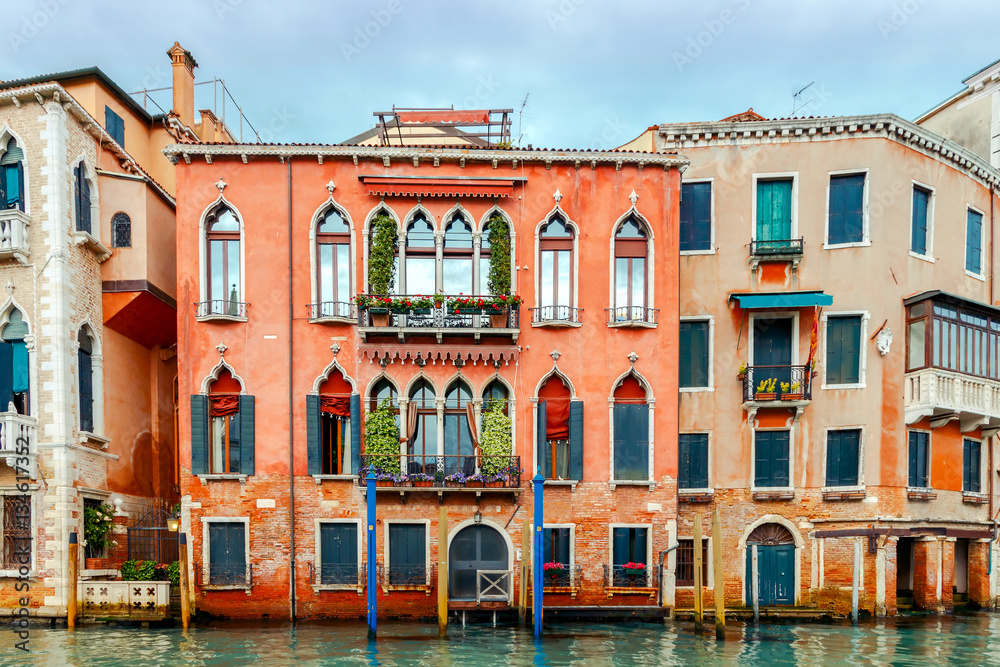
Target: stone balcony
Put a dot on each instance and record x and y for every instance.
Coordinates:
(14, 225)
(944, 395)
(18, 446)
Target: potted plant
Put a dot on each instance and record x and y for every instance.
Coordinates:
(765, 390)
(457, 479)
(742, 372)
(635, 573)
(381, 262)
(475, 481)
(97, 524)
(382, 440)
(465, 305)
(421, 480)
(554, 571)
(439, 478)
(438, 300)
(791, 391)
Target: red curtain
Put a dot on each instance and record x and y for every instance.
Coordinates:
(557, 418)
(335, 405)
(223, 405)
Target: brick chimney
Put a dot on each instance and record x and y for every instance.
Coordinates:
(183, 64)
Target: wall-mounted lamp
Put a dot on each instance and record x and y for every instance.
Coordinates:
(478, 517)
(172, 525)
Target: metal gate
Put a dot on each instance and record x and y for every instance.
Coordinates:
(150, 539)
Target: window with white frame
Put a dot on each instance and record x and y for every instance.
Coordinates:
(846, 212)
(457, 256)
(844, 349)
(631, 270)
(972, 458)
(333, 265)
(843, 457)
(920, 224)
(222, 263)
(556, 263)
(227, 557)
(420, 256)
(974, 242)
(407, 547)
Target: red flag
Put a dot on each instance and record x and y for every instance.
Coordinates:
(814, 340)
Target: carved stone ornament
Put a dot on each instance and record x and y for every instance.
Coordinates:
(330, 187)
(221, 347)
(557, 195)
(335, 348)
(883, 340)
(221, 185)
(555, 354)
(633, 357)
(633, 197)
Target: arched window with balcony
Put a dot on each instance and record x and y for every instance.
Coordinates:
(494, 394)
(457, 269)
(631, 270)
(223, 257)
(556, 266)
(460, 439)
(420, 256)
(421, 428)
(383, 215)
(12, 176)
(14, 373)
(333, 265)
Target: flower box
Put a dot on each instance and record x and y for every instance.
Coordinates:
(792, 397)
(765, 396)
(384, 482)
(474, 483)
(493, 485)
(498, 320)
(379, 317)
(423, 484)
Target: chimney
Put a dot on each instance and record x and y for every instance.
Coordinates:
(183, 64)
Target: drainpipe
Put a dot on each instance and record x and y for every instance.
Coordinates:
(291, 409)
(659, 574)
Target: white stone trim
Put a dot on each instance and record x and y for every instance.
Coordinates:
(650, 259)
(206, 555)
(327, 372)
(860, 486)
(753, 460)
(794, 206)
(318, 556)
(866, 239)
(744, 553)
(982, 243)
(325, 207)
(711, 250)
(574, 270)
(426, 523)
(862, 348)
(931, 201)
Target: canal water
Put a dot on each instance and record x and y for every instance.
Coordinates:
(925, 640)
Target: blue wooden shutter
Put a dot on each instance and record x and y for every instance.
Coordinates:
(541, 451)
(19, 358)
(314, 456)
(199, 434)
(699, 461)
(246, 435)
(762, 458)
(912, 467)
(918, 232)
(779, 458)
(696, 216)
(846, 223)
(973, 242)
(619, 546)
(684, 447)
(355, 434)
(576, 440)
(843, 350)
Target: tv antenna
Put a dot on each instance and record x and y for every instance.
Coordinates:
(520, 113)
(796, 97)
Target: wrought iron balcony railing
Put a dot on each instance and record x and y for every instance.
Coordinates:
(418, 574)
(776, 247)
(440, 471)
(453, 315)
(556, 315)
(229, 574)
(638, 315)
(221, 308)
(777, 383)
(619, 576)
(337, 574)
(339, 309)
(567, 576)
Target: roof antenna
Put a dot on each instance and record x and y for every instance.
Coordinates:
(796, 96)
(520, 112)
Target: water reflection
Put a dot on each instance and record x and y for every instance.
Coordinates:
(973, 639)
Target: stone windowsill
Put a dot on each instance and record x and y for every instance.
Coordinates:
(359, 589)
(695, 496)
(98, 573)
(974, 498)
(426, 588)
(329, 478)
(557, 324)
(219, 477)
(632, 482)
(914, 493)
(88, 436)
(332, 319)
(833, 493)
(231, 587)
(774, 495)
(14, 574)
(632, 324)
(571, 483)
(93, 244)
(215, 317)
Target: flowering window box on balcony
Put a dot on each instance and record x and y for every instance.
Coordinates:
(223, 310)
(445, 473)
(416, 315)
(632, 316)
(565, 580)
(622, 580)
(14, 225)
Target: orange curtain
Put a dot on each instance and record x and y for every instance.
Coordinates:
(411, 423)
(470, 413)
(335, 405)
(557, 418)
(223, 405)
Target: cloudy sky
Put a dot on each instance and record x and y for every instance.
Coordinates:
(595, 73)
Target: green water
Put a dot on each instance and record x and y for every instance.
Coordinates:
(937, 641)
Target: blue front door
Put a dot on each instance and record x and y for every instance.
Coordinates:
(776, 573)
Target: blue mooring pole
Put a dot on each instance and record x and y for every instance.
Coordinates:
(372, 582)
(536, 573)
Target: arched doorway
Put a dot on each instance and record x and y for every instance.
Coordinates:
(475, 548)
(775, 565)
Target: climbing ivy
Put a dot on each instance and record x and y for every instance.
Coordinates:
(381, 264)
(499, 238)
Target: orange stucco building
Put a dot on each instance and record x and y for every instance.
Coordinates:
(280, 369)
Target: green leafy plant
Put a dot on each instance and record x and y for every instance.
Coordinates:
(743, 368)
(396, 304)
(495, 440)
(767, 386)
(382, 439)
(139, 570)
(174, 573)
(381, 264)
(498, 281)
(97, 524)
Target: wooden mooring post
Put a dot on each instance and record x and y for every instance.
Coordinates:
(699, 612)
(443, 571)
(184, 583)
(855, 582)
(522, 606)
(71, 593)
(719, 585)
(755, 586)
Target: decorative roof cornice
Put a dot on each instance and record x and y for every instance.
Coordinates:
(176, 152)
(681, 136)
(90, 125)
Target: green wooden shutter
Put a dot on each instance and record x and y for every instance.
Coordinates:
(762, 458)
(19, 382)
(779, 458)
(355, 434)
(619, 546)
(918, 231)
(912, 467)
(843, 351)
(246, 435)
(541, 453)
(576, 440)
(833, 446)
(774, 210)
(313, 435)
(199, 434)
(684, 446)
(699, 461)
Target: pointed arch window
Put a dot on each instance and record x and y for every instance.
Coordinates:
(460, 437)
(496, 393)
(556, 273)
(14, 365)
(12, 176)
(631, 432)
(420, 256)
(225, 425)
(631, 249)
(81, 199)
(85, 379)
(222, 240)
(421, 428)
(332, 425)
(553, 429)
(381, 392)
(333, 265)
(456, 275)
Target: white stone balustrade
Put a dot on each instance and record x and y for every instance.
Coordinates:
(14, 234)
(935, 391)
(17, 441)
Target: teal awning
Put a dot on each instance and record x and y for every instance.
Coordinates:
(753, 300)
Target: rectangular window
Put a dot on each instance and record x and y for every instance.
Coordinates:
(16, 529)
(335, 442)
(847, 197)
(971, 462)
(692, 454)
(843, 449)
(843, 349)
(921, 216)
(407, 554)
(629, 557)
(694, 354)
(227, 565)
(115, 126)
(338, 549)
(685, 562)
(696, 216)
(555, 546)
(771, 459)
(974, 242)
(774, 210)
(919, 446)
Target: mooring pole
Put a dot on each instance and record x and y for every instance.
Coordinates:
(755, 587)
(71, 601)
(372, 571)
(536, 574)
(699, 612)
(854, 582)
(523, 602)
(185, 587)
(443, 571)
(719, 584)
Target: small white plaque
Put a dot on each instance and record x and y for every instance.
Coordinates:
(265, 502)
